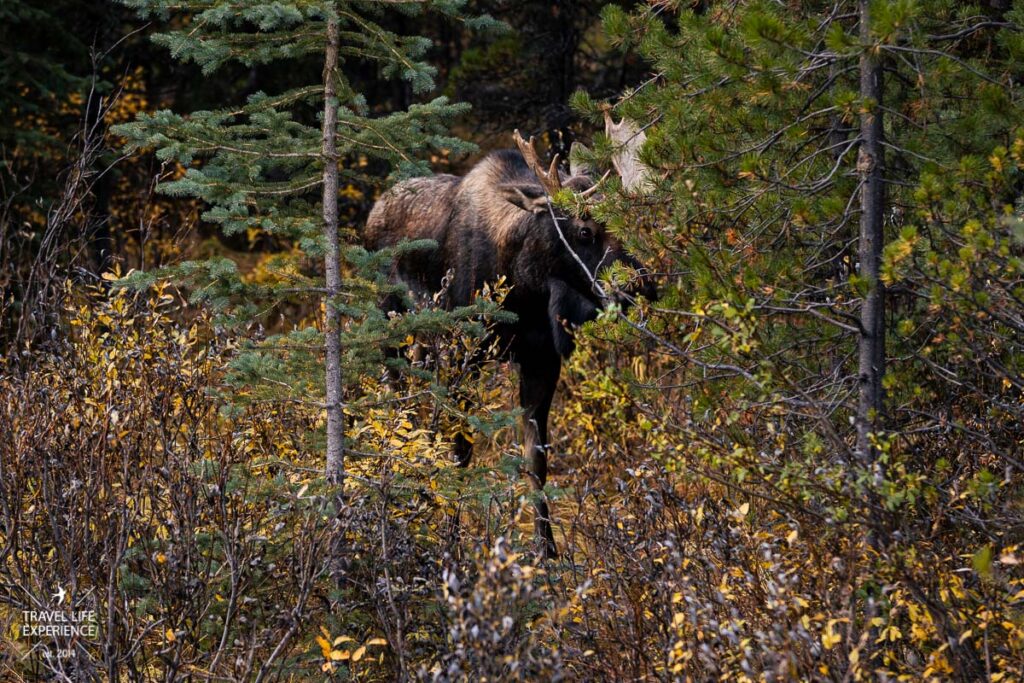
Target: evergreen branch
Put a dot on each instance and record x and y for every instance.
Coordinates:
(971, 30)
(942, 54)
(381, 38)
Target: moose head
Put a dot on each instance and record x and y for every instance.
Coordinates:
(577, 248)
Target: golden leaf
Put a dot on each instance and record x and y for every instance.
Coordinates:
(830, 638)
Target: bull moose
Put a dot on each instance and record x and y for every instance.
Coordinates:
(497, 221)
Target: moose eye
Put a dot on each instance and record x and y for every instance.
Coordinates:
(586, 234)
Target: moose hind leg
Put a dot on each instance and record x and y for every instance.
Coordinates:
(537, 381)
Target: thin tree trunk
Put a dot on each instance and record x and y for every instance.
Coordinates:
(335, 469)
(97, 225)
(871, 344)
(870, 166)
(335, 466)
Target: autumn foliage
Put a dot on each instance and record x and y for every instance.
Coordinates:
(199, 535)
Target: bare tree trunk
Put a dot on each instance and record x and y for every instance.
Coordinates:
(871, 344)
(97, 224)
(335, 466)
(870, 166)
(335, 469)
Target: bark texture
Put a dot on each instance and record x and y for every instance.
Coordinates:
(870, 167)
(335, 469)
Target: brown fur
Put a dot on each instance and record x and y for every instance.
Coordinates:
(422, 205)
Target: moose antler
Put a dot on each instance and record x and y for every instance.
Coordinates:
(549, 180)
(628, 139)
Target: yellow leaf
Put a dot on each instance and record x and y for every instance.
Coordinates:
(338, 655)
(169, 635)
(343, 639)
(830, 638)
(325, 646)
(376, 641)
(358, 654)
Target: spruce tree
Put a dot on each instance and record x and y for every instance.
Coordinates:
(275, 164)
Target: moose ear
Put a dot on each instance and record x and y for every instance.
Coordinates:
(567, 308)
(526, 196)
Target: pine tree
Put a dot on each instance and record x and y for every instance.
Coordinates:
(259, 167)
(838, 197)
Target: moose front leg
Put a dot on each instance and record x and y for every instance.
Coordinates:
(537, 381)
(567, 307)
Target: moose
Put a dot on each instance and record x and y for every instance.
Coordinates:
(498, 221)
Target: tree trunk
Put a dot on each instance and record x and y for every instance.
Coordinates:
(335, 469)
(562, 61)
(335, 466)
(870, 166)
(97, 224)
(871, 344)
